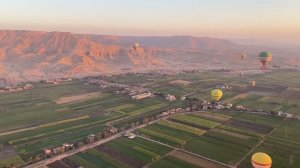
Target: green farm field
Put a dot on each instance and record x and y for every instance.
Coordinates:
(32, 120)
(35, 119)
(130, 153)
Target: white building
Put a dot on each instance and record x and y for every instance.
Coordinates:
(219, 107)
(142, 96)
(170, 97)
(287, 115)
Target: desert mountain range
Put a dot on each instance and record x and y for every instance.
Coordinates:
(34, 55)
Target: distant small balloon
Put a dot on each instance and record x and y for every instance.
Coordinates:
(252, 83)
(136, 45)
(243, 56)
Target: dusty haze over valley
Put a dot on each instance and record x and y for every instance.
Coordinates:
(36, 55)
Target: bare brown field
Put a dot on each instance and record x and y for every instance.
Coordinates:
(180, 82)
(240, 96)
(195, 160)
(77, 98)
(297, 89)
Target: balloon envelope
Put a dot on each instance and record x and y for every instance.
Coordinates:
(136, 45)
(216, 94)
(261, 160)
(243, 56)
(252, 83)
(265, 57)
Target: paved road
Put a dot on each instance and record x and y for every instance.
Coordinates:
(43, 163)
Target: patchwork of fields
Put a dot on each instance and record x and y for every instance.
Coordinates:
(234, 134)
(49, 115)
(173, 140)
(120, 153)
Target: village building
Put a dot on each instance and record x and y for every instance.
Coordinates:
(170, 97)
(142, 96)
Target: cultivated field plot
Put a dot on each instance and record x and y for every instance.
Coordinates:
(194, 121)
(257, 128)
(215, 143)
(168, 134)
(180, 82)
(288, 130)
(238, 98)
(273, 100)
(54, 92)
(254, 118)
(49, 115)
(120, 153)
(182, 127)
(63, 163)
(9, 156)
(194, 160)
(32, 142)
(174, 162)
(148, 109)
(171, 89)
(131, 79)
(30, 126)
(77, 98)
(276, 102)
(214, 116)
(34, 107)
(284, 153)
(297, 89)
(282, 78)
(136, 107)
(181, 131)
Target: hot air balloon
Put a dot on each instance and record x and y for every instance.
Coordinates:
(261, 160)
(252, 83)
(241, 73)
(216, 94)
(243, 56)
(136, 45)
(264, 58)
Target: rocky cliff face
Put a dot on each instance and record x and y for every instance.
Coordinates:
(30, 55)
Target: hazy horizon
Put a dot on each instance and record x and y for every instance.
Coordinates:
(274, 21)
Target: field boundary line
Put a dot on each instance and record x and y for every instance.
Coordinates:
(147, 166)
(188, 152)
(286, 140)
(45, 125)
(253, 148)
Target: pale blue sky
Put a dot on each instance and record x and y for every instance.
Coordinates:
(271, 19)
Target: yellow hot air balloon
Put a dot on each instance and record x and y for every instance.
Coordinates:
(216, 94)
(252, 83)
(261, 160)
